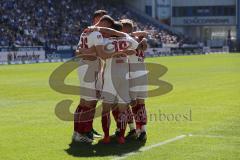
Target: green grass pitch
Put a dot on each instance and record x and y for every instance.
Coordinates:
(208, 85)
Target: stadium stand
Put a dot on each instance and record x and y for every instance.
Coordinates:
(51, 23)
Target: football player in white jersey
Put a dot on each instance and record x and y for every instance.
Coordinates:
(138, 84)
(88, 70)
(138, 90)
(116, 84)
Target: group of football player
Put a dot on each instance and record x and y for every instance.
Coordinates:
(112, 70)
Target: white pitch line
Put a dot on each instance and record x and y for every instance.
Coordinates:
(207, 136)
(150, 147)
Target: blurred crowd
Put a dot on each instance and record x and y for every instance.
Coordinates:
(54, 22)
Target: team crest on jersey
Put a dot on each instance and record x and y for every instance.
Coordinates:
(99, 36)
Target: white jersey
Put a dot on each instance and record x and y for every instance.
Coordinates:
(137, 58)
(89, 66)
(138, 76)
(116, 44)
(116, 72)
(89, 39)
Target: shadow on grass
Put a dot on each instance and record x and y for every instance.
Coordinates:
(100, 150)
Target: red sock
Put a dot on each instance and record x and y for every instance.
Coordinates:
(130, 115)
(88, 119)
(140, 115)
(78, 126)
(106, 123)
(122, 122)
(83, 119)
(115, 114)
